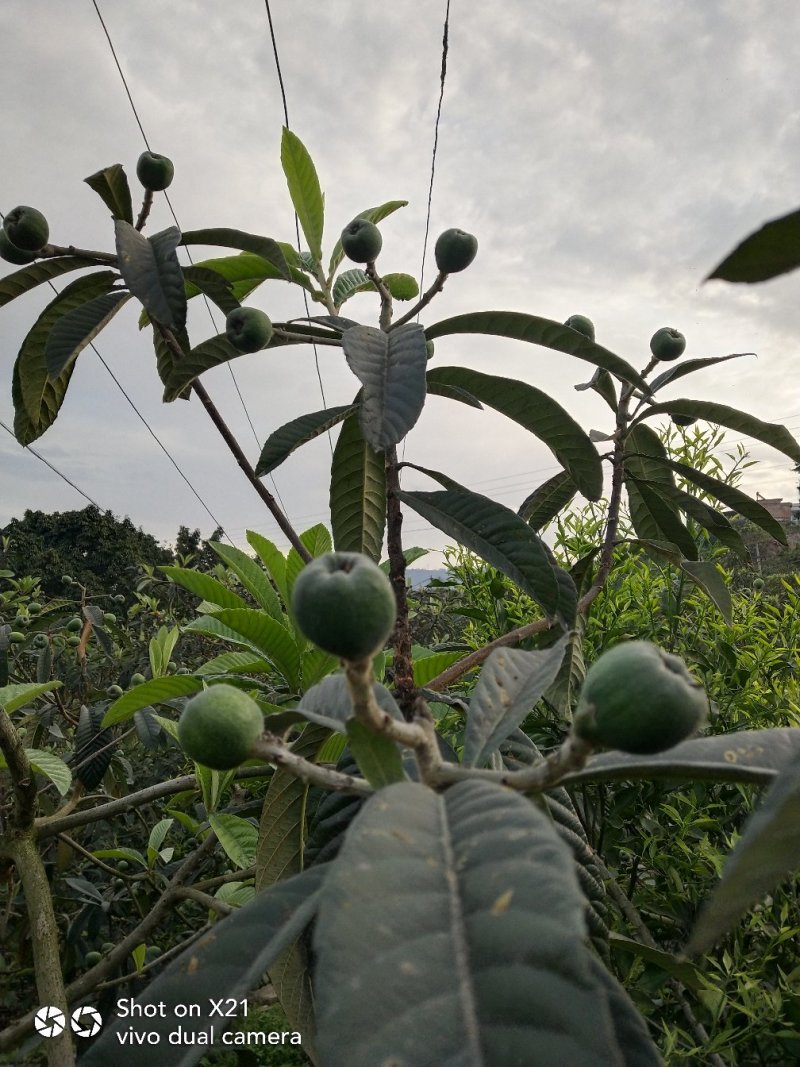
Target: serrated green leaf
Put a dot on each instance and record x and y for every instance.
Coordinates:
(544, 503)
(538, 331)
(510, 683)
(264, 247)
(73, 331)
(17, 695)
(282, 442)
(348, 283)
(485, 970)
(764, 254)
(252, 577)
(304, 189)
(155, 691)
(238, 837)
(358, 493)
(391, 368)
(203, 585)
(371, 214)
(496, 534)
(152, 272)
(49, 764)
(159, 833)
(27, 278)
(259, 631)
(540, 415)
(711, 580)
(317, 540)
(111, 185)
(120, 853)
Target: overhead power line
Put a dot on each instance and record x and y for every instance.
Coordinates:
(55, 470)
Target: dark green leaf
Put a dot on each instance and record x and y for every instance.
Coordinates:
(227, 962)
(538, 331)
(203, 585)
(264, 247)
(111, 185)
(154, 691)
(431, 896)
(152, 272)
(329, 703)
(273, 560)
(686, 973)
(252, 577)
(630, 1029)
(713, 521)
(391, 368)
(767, 852)
(378, 757)
(548, 500)
(688, 366)
(453, 393)
(711, 580)
(358, 493)
(654, 518)
(497, 535)
(258, 631)
(282, 442)
(537, 413)
(372, 214)
(27, 278)
(510, 683)
(304, 189)
(770, 251)
(443, 479)
(93, 748)
(211, 353)
(166, 359)
(602, 383)
(213, 285)
(148, 727)
(73, 331)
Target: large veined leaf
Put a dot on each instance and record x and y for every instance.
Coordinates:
(152, 272)
(37, 399)
(329, 703)
(213, 285)
(713, 521)
(432, 897)
(252, 577)
(766, 853)
(111, 185)
(538, 331)
(48, 764)
(710, 579)
(93, 749)
(755, 756)
(318, 541)
(688, 366)
(17, 695)
(654, 518)
(73, 331)
(630, 1029)
(203, 585)
(154, 691)
(538, 413)
(497, 535)
(27, 278)
(166, 359)
(304, 189)
(258, 631)
(510, 683)
(265, 247)
(350, 282)
(225, 963)
(391, 368)
(378, 757)
(545, 502)
(770, 251)
(371, 214)
(282, 442)
(211, 353)
(273, 560)
(358, 493)
(769, 432)
(237, 836)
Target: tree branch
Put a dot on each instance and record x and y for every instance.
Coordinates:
(424, 300)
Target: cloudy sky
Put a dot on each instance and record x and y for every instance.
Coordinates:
(606, 153)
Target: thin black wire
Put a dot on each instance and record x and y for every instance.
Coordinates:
(175, 218)
(296, 220)
(442, 77)
(55, 470)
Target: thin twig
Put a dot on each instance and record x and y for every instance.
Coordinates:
(424, 300)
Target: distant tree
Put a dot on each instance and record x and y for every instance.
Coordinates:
(193, 551)
(94, 547)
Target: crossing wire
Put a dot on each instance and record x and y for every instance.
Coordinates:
(55, 470)
(442, 77)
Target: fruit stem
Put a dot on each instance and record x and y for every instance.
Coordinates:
(147, 203)
(405, 690)
(386, 297)
(423, 301)
(272, 750)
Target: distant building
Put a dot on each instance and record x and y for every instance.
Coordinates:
(779, 508)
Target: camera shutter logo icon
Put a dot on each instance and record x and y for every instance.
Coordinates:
(49, 1021)
(86, 1021)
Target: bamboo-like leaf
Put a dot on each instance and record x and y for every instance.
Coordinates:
(766, 853)
(358, 493)
(152, 272)
(486, 971)
(304, 189)
(251, 576)
(27, 278)
(264, 247)
(203, 585)
(538, 331)
(371, 214)
(537, 413)
(282, 442)
(497, 535)
(510, 683)
(218, 965)
(73, 331)
(111, 185)
(544, 503)
(689, 366)
(764, 254)
(769, 432)
(391, 368)
(37, 399)
(710, 579)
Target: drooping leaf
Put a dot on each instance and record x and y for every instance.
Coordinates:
(212, 284)
(18, 694)
(237, 836)
(148, 727)
(377, 756)
(348, 283)
(203, 585)
(93, 750)
(264, 247)
(453, 393)
(73, 331)
(358, 493)
(510, 683)
(154, 691)
(688, 366)
(152, 272)
(603, 384)
(217, 966)
(258, 631)
(391, 368)
(329, 704)
(713, 521)
(544, 503)
(496, 534)
(211, 353)
(111, 185)
(764, 254)
(37, 399)
(371, 214)
(655, 518)
(769, 432)
(282, 442)
(766, 853)
(252, 577)
(710, 579)
(27, 278)
(273, 560)
(538, 331)
(304, 189)
(485, 970)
